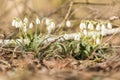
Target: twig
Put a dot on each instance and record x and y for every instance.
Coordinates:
(88, 3)
(9, 50)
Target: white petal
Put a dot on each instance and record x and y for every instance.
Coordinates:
(85, 32)
(97, 41)
(98, 27)
(82, 26)
(47, 21)
(68, 23)
(13, 22)
(103, 27)
(109, 25)
(90, 26)
(37, 20)
(77, 37)
(25, 20)
(31, 25)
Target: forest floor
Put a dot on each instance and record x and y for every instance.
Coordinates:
(18, 66)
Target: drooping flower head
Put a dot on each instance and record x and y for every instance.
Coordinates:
(37, 20)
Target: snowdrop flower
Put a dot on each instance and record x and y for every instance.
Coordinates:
(13, 22)
(68, 23)
(31, 25)
(66, 36)
(20, 24)
(77, 37)
(98, 27)
(82, 26)
(103, 32)
(90, 26)
(17, 24)
(51, 27)
(97, 41)
(109, 25)
(37, 20)
(25, 20)
(103, 27)
(47, 21)
(85, 32)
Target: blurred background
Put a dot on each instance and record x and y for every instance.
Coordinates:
(57, 9)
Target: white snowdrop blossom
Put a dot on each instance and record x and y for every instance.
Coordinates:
(109, 25)
(17, 24)
(90, 26)
(85, 32)
(68, 23)
(51, 27)
(98, 27)
(47, 21)
(37, 20)
(103, 32)
(20, 24)
(25, 20)
(82, 26)
(103, 27)
(77, 37)
(31, 25)
(66, 36)
(13, 22)
(98, 41)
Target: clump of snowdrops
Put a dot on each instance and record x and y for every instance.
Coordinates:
(30, 32)
(88, 40)
(79, 45)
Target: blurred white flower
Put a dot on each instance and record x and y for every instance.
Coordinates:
(103, 27)
(47, 21)
(66, 36)
(25, 20)
(98, 27)
(51, 27)
(31, 25)
(17, 24)
(13, 22)
(82, 26)
(77, 37)
(68, 23)
(20, 24)
(37, 20)
(103, 32)
(97, 41)
(109, 25)
(90, 26)
(85, 32)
